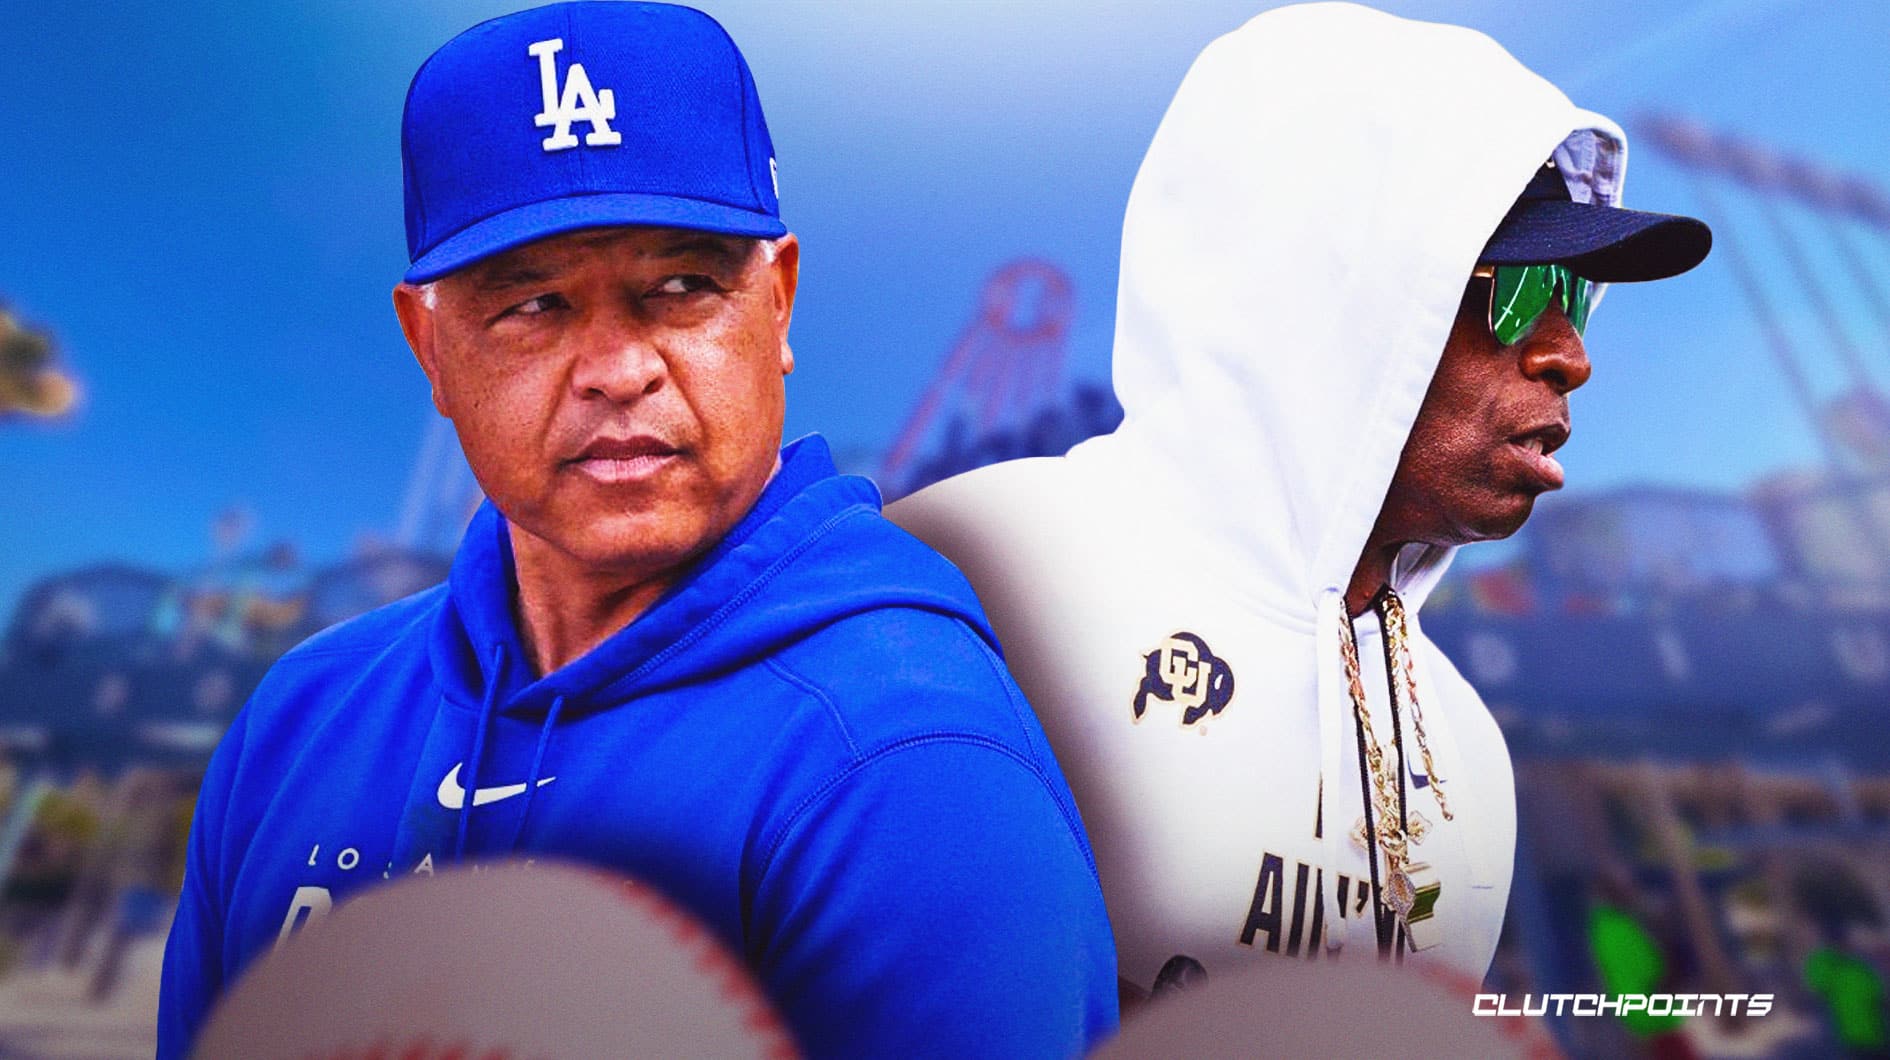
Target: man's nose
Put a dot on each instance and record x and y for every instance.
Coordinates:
(618, 361)
(1553, 353)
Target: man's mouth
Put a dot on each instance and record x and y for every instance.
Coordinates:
(625, 459)
(1533, 448)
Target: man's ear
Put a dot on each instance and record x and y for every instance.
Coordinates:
(416, 322)
(784, 280)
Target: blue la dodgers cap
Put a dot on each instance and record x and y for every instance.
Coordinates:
(580, 115)
(1607, 244)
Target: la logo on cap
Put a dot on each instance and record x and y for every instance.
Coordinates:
(578, 102)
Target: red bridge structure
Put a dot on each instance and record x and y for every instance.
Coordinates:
(999, 394)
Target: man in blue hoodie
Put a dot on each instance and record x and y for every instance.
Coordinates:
(667, 646)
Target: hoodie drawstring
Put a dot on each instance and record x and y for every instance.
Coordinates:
(532, 781)
(470, 787)
(1334, 706)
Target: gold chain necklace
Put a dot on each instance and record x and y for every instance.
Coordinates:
(1400, 892)
(1406, 882)
(1391, 613)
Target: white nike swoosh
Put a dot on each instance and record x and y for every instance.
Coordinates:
(453, 797)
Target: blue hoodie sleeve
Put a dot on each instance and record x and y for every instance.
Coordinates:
(937, 899)
(193, 955)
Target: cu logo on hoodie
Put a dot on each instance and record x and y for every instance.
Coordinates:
(1184, 671)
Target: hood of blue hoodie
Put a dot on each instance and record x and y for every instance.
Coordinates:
(742, 601)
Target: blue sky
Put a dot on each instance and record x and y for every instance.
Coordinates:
(202, 204)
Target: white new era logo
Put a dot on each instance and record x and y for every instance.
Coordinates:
(579, 102)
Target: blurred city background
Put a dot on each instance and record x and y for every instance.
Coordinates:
(213, 441)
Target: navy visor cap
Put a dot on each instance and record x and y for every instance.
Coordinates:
(1606, 244)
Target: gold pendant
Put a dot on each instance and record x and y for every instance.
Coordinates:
(1400, 892)
(1358, 836)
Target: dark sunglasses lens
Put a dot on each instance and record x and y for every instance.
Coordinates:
(1580, 299)
(1519, 295)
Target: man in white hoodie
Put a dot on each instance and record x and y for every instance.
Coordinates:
(1344, 347)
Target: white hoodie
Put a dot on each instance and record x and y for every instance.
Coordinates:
(1295, 247)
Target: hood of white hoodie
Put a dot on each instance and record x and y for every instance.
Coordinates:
(1295, 247)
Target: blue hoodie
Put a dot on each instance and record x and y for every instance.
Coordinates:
(810, 743)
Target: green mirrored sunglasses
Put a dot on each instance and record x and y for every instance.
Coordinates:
(1519, 294)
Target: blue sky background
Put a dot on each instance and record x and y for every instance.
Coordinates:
(202, 204)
